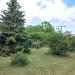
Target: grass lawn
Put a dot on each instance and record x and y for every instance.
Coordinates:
(40, 64)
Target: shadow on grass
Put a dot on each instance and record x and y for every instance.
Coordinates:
(57, 55)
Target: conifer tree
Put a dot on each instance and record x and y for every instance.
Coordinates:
(12, 36)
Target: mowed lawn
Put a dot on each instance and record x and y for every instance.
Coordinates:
(40, 64)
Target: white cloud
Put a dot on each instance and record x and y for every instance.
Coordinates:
(47, 10)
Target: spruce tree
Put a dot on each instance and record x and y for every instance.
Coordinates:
(12, 36)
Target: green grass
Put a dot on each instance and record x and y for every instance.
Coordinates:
(40, 64)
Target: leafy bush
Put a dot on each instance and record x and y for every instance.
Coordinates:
(19, 60)
(59, 44)
(73, 43)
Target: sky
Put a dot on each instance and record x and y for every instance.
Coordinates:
(57, 12)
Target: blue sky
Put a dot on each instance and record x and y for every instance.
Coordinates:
(57, 12)
(69, 3)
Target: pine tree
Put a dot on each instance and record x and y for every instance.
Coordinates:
(12, 22)
(12, 18)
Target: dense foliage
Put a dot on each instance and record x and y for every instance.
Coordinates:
(61, 43)
(39, 34)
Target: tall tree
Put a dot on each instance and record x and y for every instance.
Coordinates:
(47, 26)
(12, 28)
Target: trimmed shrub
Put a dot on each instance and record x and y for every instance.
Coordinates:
(36, 44)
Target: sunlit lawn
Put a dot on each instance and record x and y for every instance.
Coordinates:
(40, 64)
